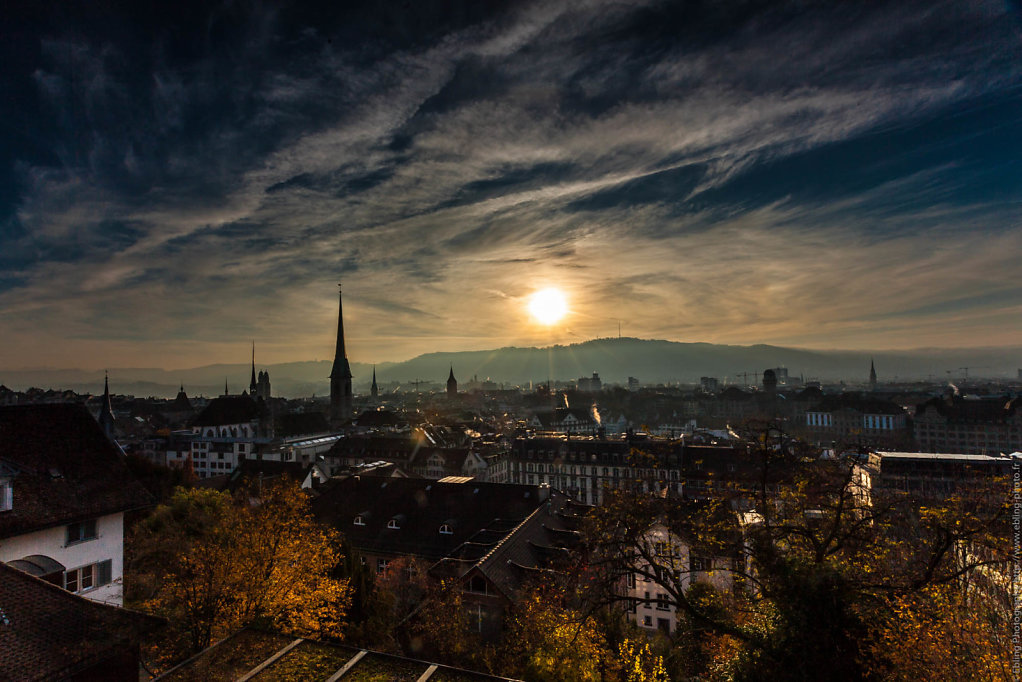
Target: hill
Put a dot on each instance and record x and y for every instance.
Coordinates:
(650, 361)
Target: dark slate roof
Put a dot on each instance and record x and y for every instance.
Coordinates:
(301, 423)
(454, 458)
(380, 418)
(957, 408)
(181, 402)
(735, 393)
(475, 511)
(65, 468)
(229, 409)
(399, 446)
(47, 633)
(542, 542)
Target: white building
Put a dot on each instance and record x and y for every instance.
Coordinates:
(650, 605)
(229, 429)
(64, 490)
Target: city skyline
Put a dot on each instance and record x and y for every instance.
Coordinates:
(178, 183)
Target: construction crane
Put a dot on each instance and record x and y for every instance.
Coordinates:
(966, 370)
(745, 377)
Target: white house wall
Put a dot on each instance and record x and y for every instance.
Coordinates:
(51, 542)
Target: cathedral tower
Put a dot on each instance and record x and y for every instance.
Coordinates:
(340, 375)
(106, 411)
(452, 384)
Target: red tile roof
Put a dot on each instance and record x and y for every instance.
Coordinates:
(48, 633)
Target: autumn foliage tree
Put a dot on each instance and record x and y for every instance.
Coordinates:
(211, 565)
(819, 567)
(548, 639)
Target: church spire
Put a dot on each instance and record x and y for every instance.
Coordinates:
(452, 383)
(252, 384)
(340, 374)
(106, 411)
(374, 391)
(872, 375)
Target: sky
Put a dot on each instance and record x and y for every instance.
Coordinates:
(180, 179)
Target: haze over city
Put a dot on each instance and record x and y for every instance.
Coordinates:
(178, 182)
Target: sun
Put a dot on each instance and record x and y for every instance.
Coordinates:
(548, 306)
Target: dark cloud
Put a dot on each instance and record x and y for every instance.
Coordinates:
(428, 152)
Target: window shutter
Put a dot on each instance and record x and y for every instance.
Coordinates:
(105, 571)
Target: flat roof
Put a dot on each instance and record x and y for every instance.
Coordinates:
(939, 456)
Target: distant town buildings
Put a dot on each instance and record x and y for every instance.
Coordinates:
(590, 384)
(973, 426)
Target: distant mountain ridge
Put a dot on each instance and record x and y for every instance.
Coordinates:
(615, 359)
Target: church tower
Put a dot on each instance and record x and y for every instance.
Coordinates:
(253, 386)
(452, 384)
(872, 376)
(374, 391)
(340, 375)
(106, 411)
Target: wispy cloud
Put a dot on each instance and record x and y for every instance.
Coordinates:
(820, 178)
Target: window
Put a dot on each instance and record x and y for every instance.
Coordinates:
(6, 495)
(699, 563)
(82, 531)
(88, 577)
(381, 565)
(647, 621)
(662, 604)
(393, 524)
(478, 585)
(631, 581)
(359, 521)
(445, 529)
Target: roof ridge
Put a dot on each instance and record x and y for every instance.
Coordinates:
(514, 530)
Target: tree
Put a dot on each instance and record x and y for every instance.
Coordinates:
(211, 565)
(815, 560)
(547, 639)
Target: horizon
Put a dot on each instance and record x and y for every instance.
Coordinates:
(384, 363)
(177, 183)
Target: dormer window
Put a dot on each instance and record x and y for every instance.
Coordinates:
(445, 529)
(359, 521)
(396, 522)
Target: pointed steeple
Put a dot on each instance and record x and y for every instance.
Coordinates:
(872, 375)
(252, 384)
(374, 391)
(226, 392)
(452, 383)
(340, 373)
(106, 411)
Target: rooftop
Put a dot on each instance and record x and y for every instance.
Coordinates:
(258, 656)
(938, 456)
(64, 468)
(47, 633)
(419, 507)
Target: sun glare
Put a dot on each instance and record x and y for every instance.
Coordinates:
(548, 306)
